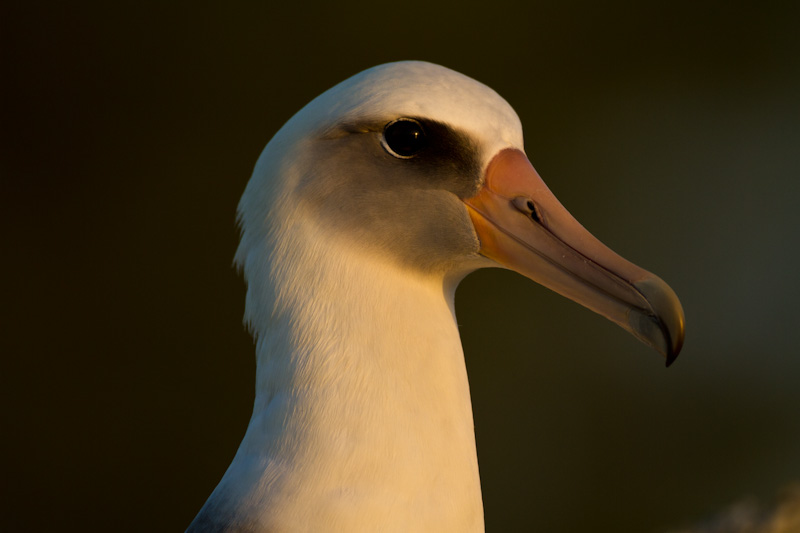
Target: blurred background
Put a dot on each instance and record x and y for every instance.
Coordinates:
(671, 130)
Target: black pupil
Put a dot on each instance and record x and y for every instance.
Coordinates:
(405, 137)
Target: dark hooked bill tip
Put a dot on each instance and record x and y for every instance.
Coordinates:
(663, 329)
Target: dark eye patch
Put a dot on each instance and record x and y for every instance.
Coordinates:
(447, 155)
(447, 159)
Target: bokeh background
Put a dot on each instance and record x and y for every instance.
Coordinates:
(670, 129)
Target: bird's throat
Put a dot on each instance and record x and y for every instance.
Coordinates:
(362, 405)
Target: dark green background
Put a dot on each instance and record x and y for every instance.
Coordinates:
(671, 130)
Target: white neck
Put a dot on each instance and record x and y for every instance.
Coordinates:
(362, 419)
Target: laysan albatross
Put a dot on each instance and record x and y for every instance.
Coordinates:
(363, 213)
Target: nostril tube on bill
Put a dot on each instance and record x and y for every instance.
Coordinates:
(526, 205)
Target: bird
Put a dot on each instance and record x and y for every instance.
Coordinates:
(362, 215)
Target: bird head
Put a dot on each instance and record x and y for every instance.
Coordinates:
(424, 167)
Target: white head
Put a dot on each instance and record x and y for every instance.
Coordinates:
(329, 164)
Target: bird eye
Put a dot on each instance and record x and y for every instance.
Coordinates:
(404, 138)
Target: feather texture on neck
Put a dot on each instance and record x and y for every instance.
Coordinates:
(362, 415)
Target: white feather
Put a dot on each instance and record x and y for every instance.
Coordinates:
(362, 419)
